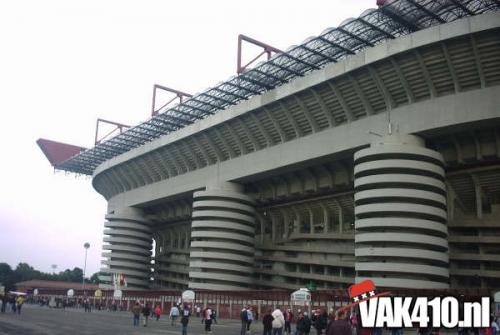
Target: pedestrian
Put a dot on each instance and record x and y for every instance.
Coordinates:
(495, 327)
(244, 321)
(214, 316)
(12, 301)
(319, 321)
(288, 321)
(174, 313)
(19, 304)
(278, 321)
(267, 322)
(207, 318)
(146, 312)
(4, 303)
(340, 326)
(303, 324)
(136, 311)
(186, 313)
(158, 312)
(354, 323)
(198, 311)
(250, 318)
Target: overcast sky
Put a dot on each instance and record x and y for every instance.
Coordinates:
(63, 64)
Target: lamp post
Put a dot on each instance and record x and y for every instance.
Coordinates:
(86, 246)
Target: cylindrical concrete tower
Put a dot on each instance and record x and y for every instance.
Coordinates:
(222, 239)
(127, 249)
(400, 207)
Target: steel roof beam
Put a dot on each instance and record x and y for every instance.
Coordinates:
(242, 87)
(253, 81)
(351, 35)
(374, 27)
(229, 102)
(319, 54)
(349, 51)
(195, 98)
(239, 96)
(281, 80)
(306, 63)
(427, 11)
(398, 18)
(459, 4)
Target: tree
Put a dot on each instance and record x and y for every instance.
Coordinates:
(94, 279)
(7, 276)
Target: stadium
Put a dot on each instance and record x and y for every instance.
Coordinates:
(370, 151)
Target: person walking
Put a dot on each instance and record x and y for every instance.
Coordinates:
(186, 313)
(136, 311)
(278, 321)
(146, 312)
(303, 324)
(157, 312)
(19, 304)
(207, 317)
(4, 303)
(354, 324)
(288, 321)
(244, 321)
(320, 321)
(267, 322)
(340, 326)
(250, 318)
(174, 313)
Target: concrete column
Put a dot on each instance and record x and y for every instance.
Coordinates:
(127, 248)
(401, 237)
(222, 238)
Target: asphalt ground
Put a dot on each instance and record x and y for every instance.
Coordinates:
(36, 320)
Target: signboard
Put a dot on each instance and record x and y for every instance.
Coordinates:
(188, 296)
(2, 290)
(35, 292)
(98, 293)
(301, 297)
(496, 299)
(117, 294)
(71, 292)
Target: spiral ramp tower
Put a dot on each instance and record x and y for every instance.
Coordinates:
(401, 219)
(127, 248)
(222, 239)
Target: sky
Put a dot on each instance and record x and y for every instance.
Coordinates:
(63, 64)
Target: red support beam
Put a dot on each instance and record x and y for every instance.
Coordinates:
(178, 95)
(267, 49)
(119, 126)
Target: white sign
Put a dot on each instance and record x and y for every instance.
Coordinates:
(117, 294)
(2, 290)
(301, 297)
(496, 297)
(188, 296)
(35, 292)
(71, 292)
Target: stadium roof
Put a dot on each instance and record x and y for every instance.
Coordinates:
(395, 18)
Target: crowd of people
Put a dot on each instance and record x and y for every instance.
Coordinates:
(275, 322)
(16, 303)
(183, 312)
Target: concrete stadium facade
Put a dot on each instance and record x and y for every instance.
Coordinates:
(303, 183)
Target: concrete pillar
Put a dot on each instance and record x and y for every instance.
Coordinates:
(401, 237)
(127, 248)
(222, 238)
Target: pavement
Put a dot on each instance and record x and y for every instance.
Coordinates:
(36, 320)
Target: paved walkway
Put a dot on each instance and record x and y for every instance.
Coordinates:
(36, 320)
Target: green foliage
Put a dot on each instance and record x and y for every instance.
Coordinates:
(23, 272)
